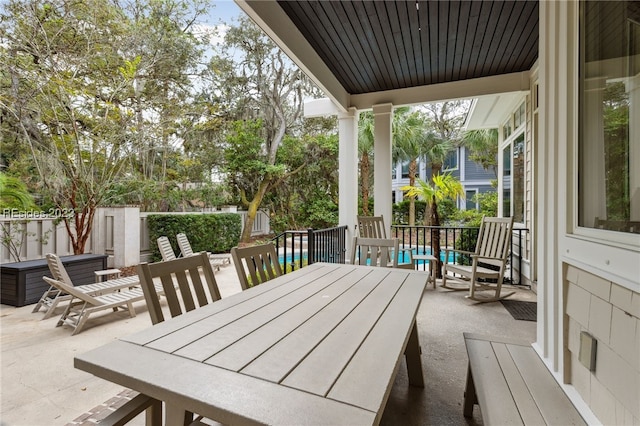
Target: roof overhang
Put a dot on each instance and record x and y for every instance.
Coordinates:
(361, 80)
(490, 111)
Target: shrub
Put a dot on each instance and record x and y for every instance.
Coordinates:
(401, 212)
(215, 233)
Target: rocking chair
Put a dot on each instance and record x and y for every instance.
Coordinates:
(492, 249)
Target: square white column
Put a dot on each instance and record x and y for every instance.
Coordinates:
(382, 184)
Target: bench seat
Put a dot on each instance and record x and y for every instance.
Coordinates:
(512, 386)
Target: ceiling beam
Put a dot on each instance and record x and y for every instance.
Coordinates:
(464, 89)
(269, 16)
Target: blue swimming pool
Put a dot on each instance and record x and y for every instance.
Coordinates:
(404, 256)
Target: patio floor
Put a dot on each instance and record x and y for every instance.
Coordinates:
(39, 385)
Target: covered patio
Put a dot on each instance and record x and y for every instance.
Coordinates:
(380, 55)
(558, 58)
(40, 386)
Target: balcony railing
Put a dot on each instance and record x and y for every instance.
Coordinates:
(421, 240)
(299, 248)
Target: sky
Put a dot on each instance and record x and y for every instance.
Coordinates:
(222, 14)
(224, 10)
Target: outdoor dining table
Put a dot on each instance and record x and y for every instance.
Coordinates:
(320, 345)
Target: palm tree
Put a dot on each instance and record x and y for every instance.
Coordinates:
(483, 145)
(365, 152)
(444, 187)
(14, 193)
(408, 145)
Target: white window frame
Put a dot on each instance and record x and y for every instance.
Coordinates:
(508, 144)
(466, 191)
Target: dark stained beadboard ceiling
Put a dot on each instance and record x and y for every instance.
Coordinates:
(382, 45)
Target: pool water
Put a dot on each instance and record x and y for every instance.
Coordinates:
(404, 257)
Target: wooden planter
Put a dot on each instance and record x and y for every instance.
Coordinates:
(22, 284)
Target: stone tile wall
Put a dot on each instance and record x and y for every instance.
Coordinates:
(610, 313)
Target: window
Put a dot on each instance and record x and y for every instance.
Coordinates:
(513, 188)
(471, 203)
(519, 116)
(405, 170)
(609, 163)
(451, 161)
(507, 129)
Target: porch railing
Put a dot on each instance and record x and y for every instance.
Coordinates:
(420, 239)
(299, 248)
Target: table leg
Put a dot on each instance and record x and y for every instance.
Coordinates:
(177, 415)
(432, 272)
(412, 356)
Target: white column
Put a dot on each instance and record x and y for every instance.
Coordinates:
(382, 118)
(122, 235)
(348, 172)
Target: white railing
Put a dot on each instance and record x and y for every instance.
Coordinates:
(119, 232)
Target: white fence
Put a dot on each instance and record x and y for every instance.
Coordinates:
(119, 232)
(27, 238)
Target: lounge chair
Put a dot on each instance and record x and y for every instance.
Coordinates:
(165, 249)
(82, 305)
(492, 249)
(217, 260)
(260, 262)
(52, 297)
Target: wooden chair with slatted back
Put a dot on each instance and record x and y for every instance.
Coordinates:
(375, 252)
(373, 227)
(260, 262)
(191, 276)
(492, 250)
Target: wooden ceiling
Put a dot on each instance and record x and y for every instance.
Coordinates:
(374, 46)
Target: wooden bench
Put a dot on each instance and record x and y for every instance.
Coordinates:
(512, 386)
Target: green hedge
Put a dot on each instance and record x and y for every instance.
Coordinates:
(215, 233)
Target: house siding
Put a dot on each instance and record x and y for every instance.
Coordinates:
(474, 171)
(470, 174)
(587, 281)
(611, 314)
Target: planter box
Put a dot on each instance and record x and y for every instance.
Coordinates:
(22, 284)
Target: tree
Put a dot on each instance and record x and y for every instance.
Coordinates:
(14, 194)
(72, 72)
(445, 122)
(310, 198)
(483, 146)
(444, 187)
(64, 74)
(259, 85)
(365, 153)
(408, 131)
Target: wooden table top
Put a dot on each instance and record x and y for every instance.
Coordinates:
(320, 345)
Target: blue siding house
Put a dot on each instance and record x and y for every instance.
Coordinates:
(474, 178)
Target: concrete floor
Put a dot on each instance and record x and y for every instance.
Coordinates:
(39, 385)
